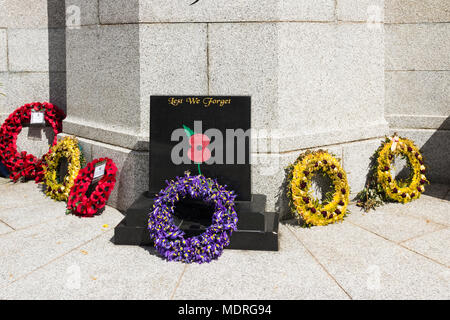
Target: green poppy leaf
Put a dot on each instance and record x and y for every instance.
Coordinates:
(188, 130)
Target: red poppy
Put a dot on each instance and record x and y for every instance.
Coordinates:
(199, 152)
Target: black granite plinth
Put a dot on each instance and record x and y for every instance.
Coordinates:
(257, 229)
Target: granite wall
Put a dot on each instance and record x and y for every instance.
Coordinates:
(316, 71)
(32, 62)
(418, 78)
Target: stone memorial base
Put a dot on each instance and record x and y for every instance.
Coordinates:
(257, 229)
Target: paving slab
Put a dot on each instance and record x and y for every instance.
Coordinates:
(396, 252)
(394, 225)
(430, 208)
(4, 228)
(434, 245)
(8, 185)
(29, 215)
(370, 267)
(100, 270)
(26, 250)
(291, 273)
(14, 195)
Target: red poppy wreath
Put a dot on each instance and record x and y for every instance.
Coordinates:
(24, 164)
(86, 206)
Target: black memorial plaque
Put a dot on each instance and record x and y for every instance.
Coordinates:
(225, 121)
(223, 125)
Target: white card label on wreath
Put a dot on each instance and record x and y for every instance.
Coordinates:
(395, 141)
(99, 170)
(37, 117)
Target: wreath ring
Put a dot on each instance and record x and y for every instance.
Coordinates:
(169, 239)
(58, 188)
(303, 205)
(79, 202)
(24, 164)
(414, 186)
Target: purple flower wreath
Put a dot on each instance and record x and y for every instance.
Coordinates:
(169, 239)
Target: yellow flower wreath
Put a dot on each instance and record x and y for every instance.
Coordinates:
(67, 148)
(306, 207)
(403, 191)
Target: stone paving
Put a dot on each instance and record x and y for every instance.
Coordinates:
(395, 252)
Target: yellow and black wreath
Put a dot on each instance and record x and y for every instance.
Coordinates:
(62, 166)
(304, 206)
(382, 186)
(402, 190)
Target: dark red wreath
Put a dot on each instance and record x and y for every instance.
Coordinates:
(24, 164)
(79, 203)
